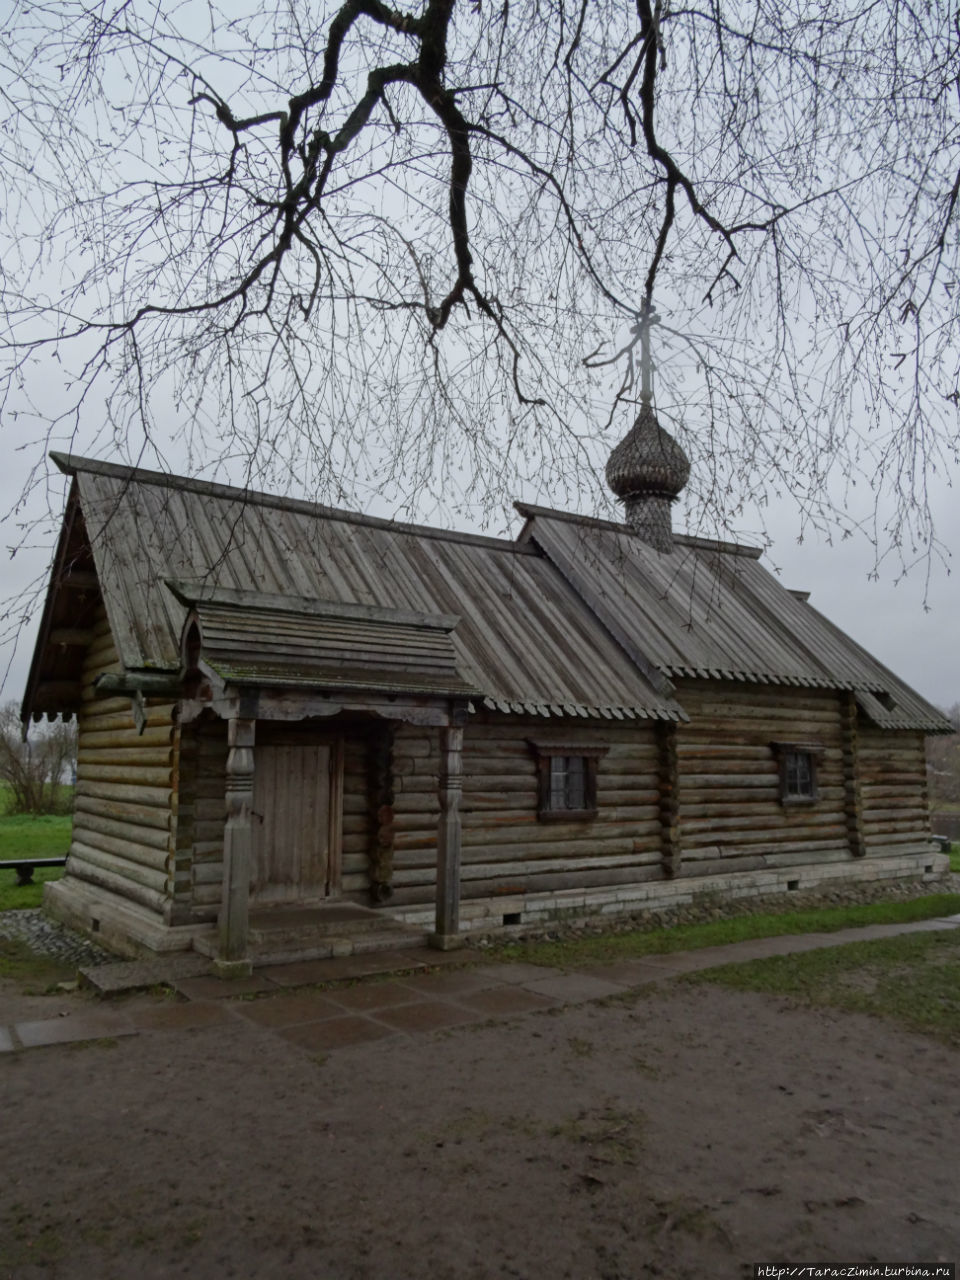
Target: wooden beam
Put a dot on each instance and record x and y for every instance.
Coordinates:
(233, 960)
(154, 684)
(50, 694)
(853, 799)
(381, 780)
(79, 637)
(447, 934)
(80, 580)
(669, 777)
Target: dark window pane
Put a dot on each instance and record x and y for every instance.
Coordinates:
(558, 779)
(798, 773)
(576, 782)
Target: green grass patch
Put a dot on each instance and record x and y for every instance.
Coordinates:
(20, 897)
(36, 973)
(34, 836)
(608, 948)
(912, 980)
(29, 836)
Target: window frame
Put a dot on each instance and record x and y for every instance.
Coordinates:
(546, 752)
(786, 753)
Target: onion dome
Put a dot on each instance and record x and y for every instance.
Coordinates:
(647, 470)
(647, 462)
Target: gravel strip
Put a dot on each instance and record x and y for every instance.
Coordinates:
(48, 938)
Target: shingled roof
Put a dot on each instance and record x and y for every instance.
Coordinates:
(710, 610)
(577, 617)
(521, 637)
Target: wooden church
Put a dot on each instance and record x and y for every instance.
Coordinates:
(292, 717)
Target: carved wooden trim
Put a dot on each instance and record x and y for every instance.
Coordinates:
(381, 778)
(852, 796)
(237, 840)
(669, 777)
(449, 832)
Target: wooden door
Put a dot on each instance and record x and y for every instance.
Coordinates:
(296, 802)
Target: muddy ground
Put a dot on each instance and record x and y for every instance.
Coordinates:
(682, 1132)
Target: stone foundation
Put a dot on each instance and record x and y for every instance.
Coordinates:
(485, 914)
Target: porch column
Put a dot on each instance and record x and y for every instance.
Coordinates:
(447, 935)
(237, 850)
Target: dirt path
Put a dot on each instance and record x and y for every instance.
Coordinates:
(678, 1133)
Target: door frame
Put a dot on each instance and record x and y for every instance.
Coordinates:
(274, 733)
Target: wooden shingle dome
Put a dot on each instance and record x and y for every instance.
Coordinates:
(647, 470)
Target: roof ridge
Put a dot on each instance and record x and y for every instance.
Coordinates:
(530, 511)
(70, 464)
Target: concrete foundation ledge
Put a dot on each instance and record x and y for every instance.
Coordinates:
(122, 927)
(915, 861)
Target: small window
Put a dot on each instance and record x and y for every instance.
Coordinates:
(798, 771)
(567, 781)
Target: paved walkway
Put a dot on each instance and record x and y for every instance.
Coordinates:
(382, 994)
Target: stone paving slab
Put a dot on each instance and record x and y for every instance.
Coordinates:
(72, 1029)
(336, 1033)
(6, 1041)
(138, 975)
(506, 1000)
(452, 983)
(625, 973)
(574, 988)
(426, 1015)
(288, 1010)
(520, 972)
(362, 965)
(180, 1017)
(374, 995)
(210, 987)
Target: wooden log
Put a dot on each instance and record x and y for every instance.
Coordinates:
(115, 722)
(125, 757)
(156, 796)
(94, 874)
(120, 868)
(557, 882)
(834, 833)
(161, 736)
(137, 815)
(763, 818)
(130, 775)
(93, 832)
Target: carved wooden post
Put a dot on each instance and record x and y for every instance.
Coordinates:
(237, 850)
(670, 851)
(853, 803)
(448, 840)
(382, 816)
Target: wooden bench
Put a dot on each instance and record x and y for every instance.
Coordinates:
(24, 867)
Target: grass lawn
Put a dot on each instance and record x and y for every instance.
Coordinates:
(913, 980)
(37, 973)
(24, 835)
(606, 949)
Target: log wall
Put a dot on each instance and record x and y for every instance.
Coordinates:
(124, 817)
(893, 789)
(730, 813)
(505, 849)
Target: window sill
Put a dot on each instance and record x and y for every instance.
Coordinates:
(566, 815)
